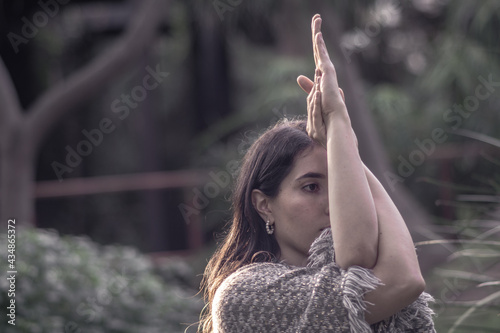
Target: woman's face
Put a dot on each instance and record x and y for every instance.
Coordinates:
(300, 210)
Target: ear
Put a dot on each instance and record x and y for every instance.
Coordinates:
(261, 203)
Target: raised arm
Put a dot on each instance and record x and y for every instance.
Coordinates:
(352, 211)
(357, 195)
(397, 264)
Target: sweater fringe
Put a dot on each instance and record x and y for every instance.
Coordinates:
(404, 319)
(357, 281)
(321, 252)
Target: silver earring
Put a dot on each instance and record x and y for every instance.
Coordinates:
(269, 228)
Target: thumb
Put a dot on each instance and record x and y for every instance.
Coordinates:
(305, 83)
(342, 94)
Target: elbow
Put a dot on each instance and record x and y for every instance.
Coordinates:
(419, 285)
(413, 287)
(416, 281)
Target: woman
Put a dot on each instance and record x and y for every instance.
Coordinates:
(316, 243)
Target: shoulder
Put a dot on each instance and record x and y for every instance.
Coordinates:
(242, 296)
(270, 297)
(253, 277)
(274, 297)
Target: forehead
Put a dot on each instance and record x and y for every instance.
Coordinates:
(310, 160)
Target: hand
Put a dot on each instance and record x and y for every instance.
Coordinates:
(325, 97)
(331, 101)
(315, 127)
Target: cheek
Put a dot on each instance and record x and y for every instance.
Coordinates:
(297, 210)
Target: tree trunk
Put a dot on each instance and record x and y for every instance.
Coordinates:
(17, 177)
(22, 133)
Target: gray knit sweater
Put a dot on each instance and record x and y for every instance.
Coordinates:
(321, 297)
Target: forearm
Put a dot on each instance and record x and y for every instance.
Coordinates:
(395, 242)
(397, 265)
(352, 210)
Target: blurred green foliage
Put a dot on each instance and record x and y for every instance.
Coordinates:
(71, 284)
(467, 286)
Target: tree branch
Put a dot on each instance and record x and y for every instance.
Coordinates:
(10, 111)
(89, 80)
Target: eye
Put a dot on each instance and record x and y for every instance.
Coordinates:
(311, 187)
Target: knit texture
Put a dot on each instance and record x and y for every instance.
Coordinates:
(321, 297)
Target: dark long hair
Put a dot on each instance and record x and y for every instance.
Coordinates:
(265, 165)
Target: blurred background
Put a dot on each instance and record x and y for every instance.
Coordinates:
(122, 124)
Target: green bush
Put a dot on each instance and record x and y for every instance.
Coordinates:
(70, 284)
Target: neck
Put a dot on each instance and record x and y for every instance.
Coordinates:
(294, 258)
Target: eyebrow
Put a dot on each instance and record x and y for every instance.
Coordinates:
(312, 175)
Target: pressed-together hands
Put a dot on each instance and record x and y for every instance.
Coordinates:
(325, 98)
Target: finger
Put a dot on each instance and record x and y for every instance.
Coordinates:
(309, 110)
(317, 78)
(311, 94)
(311, 102)
(324, 58)
(315, 86)
(315, 29)
(315, 25)
(342, 94)
(305, 83)
(317, 119)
